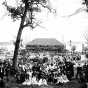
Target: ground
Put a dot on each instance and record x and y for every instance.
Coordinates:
(72, 84)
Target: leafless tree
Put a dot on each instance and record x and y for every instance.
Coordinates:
(26, 12)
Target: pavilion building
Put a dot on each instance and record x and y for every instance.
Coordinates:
(45, 45)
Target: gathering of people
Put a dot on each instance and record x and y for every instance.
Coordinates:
(45, 70)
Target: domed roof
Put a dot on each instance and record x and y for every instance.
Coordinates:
(45, 42)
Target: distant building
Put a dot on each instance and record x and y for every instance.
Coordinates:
(7, 45)
(6, 50)
(45, 44)
(78, 45)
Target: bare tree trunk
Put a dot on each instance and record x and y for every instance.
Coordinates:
(17, 43)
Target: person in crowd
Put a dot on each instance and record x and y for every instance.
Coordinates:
(85, 70)
(1, 71)
(79, 74)
(69, 69)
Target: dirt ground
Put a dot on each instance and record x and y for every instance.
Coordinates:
(72, 84)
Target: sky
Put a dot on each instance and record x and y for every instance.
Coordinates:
(58, 25)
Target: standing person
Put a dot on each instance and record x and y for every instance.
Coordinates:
(69, 70)
(79, 72)
(1, 71)
(2, 83)
(85, 70)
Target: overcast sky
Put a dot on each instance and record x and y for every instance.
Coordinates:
(54, 25)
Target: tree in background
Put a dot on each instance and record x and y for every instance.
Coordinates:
(73, 48)
(25, 11)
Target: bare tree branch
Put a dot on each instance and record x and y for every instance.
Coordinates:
(76, 12)
(48, 7)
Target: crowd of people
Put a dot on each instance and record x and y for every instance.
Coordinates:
(47, 69)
